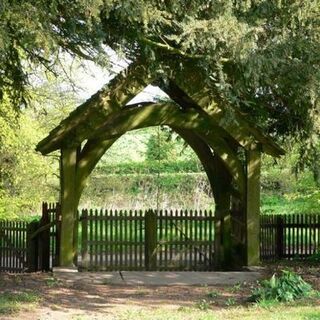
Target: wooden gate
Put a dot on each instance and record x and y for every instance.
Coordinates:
(31, 246)
(146, 240)
(13, 246)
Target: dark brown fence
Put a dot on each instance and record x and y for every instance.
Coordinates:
(31, 246)
(13, 246)
(146, 240)
(51, 213)
(295, 236)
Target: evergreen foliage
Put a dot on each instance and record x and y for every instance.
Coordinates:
(260, 56)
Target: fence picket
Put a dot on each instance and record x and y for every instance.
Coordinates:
(114, 240)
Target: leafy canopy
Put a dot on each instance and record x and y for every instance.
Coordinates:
(260, 56)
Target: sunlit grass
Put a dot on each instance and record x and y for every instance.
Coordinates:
(12, 302)
(275, 312)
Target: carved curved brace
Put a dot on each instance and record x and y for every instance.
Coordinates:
(112, 97)
(88, 159)
(170, 114)
(188, 86)
(201, 149)
(206, 157)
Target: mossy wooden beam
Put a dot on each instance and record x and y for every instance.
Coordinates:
(89, 157)
(171, 115)
(253, 158)
(68, 205)
(201, 149)
(222, 193)
(220, 181)
(193, 85)
(117, 93)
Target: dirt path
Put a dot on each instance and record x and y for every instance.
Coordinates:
(62, 300)
(83, 300)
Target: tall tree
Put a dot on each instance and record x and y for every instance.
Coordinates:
(259, 56)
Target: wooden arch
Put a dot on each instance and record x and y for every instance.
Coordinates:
(199, 118)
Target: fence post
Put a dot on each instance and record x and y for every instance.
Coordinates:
(279, 238)
(75, 238)
(150, 240)
(58, 234)
(84, 240)
(44, 238)
(32, 247)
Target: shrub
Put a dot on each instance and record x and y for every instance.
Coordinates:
(315, 258)
(287, 287)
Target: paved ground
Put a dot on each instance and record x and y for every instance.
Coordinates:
(143, 278)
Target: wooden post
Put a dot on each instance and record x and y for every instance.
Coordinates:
(150, 240)
(32, 247)
(253, 159)
(68, 205)
(44, 240)
(58, 235)
(222, 230)
(76, 237)
(84, 240)
(279, 237)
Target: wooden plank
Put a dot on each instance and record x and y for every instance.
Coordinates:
(191, 236)
(101, 238)
(263, 237)
(160, 236)
(180, 237)
(58, 232)
(130, 239)
(166, 248)
(150, 240)
(126, 246)
(106, 237)
(121, 237)
(91, 250)
(211, 237)
(186, 236)
(84, 240)
(44, 238)
(306, 229)
(296, 235)
(302, 234)
(289, 235)
(116, 236)
(135, 241)
(206, 246)
(314, 232)
(32, 254)
(95, 236)
(196, 238)
(310, 233)
(200, 248)
(112, 230)
(141, 235)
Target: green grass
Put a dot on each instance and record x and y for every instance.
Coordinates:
(290, 203)
(277, 312)
(12, 302)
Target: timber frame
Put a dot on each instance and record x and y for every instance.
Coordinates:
(229, 148)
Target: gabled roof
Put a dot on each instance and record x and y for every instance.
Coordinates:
(91, 115)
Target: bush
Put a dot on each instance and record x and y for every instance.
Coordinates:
(287, 287)
(315, 258)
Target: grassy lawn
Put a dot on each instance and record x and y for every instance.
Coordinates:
(285, 312)
(13, 302)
